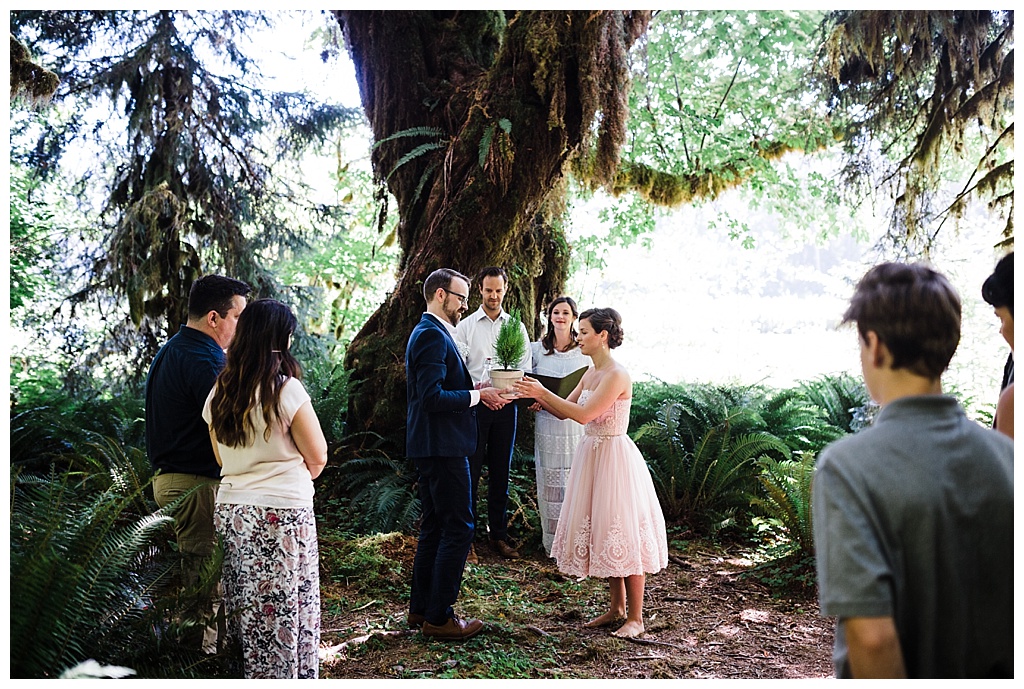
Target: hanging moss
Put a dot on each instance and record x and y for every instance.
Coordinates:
(917, 80)
(29, 79)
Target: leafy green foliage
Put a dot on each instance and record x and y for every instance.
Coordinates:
(649, 396)
(838, 397)
(730, 440)
(31, 244)
(523, 518)
(379, 489)
(83, 572)
(786, 500)
(177, 134)
(718, 98)
(91, 556)
(790, 415)
(704, 470)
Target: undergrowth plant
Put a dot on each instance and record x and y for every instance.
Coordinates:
(92, 558)
(704, 471)
(839, 396)
(380, 491)
(786, 501)
(84, 573)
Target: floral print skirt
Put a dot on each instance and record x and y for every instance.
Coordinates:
(272, 588)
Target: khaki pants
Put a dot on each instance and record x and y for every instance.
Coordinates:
(197, 539)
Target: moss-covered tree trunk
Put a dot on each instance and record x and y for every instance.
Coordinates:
(476, 115)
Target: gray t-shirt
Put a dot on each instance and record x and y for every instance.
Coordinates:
(913, 519)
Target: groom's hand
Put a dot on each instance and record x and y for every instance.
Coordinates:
(492, 398)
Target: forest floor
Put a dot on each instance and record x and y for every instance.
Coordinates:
(704, 619)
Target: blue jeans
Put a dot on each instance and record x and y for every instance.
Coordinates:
(446, 532)
(496, 433)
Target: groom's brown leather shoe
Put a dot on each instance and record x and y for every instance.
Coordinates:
(454, 629)
(504, 549)
(415, 620)
(472, 558)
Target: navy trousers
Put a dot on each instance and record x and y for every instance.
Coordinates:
(496, 434)
(446, 533)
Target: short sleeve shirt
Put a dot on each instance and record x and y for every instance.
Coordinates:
(913, 519)
(268, 473)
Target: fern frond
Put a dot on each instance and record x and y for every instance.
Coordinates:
(412, 131)
(422, 149)
(485, 143)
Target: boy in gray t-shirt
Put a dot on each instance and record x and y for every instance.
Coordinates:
(913, 517)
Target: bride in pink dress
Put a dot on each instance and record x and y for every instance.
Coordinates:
(611, 523)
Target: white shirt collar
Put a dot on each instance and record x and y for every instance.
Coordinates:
(480, 314)
(447, 326)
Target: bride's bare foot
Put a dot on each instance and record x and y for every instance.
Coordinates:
(606, 619)
(629, 630)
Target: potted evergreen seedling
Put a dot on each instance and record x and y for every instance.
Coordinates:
(509, 350)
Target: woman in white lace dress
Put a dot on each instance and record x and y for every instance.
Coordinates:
(555, 440)
(611, 524)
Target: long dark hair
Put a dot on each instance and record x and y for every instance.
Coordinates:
(258, 365)
(549, 334)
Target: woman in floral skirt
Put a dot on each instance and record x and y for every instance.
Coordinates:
(269, 443)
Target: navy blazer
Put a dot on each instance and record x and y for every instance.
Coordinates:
(440, 421)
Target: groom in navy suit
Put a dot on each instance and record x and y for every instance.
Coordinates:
(440, 435)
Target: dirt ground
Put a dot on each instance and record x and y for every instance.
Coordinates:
(703, 620)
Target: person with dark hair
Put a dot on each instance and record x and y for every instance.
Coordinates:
(997, 291)
(611, 524)
(268, 440)
(496, 428)
(440, 434)
(554, 440)
(181, 376)
(913, 516)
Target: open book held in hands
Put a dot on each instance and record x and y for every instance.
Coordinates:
(560, 386)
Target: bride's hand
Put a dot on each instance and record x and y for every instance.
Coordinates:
(529, 387)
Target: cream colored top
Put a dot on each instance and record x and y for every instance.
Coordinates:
(268, 473)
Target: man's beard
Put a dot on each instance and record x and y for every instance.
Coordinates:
(454, 316)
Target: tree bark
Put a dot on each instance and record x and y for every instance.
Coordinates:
(503, 100)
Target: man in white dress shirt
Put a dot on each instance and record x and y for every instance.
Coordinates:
(496, 430)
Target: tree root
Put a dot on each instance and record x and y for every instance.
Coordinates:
(331, 653)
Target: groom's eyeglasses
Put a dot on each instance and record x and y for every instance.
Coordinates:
(463, 299)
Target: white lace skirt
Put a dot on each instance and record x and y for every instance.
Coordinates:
(555, 442)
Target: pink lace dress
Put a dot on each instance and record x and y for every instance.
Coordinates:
(611, 524)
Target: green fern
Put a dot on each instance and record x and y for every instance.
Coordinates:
(410, 132)
(837, 396)
(802, 425)
(420, 150)
(82, 572)
(787, 500)
(381, 492)
(703, 471)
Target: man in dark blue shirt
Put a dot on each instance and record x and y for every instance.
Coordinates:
(177, 439)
